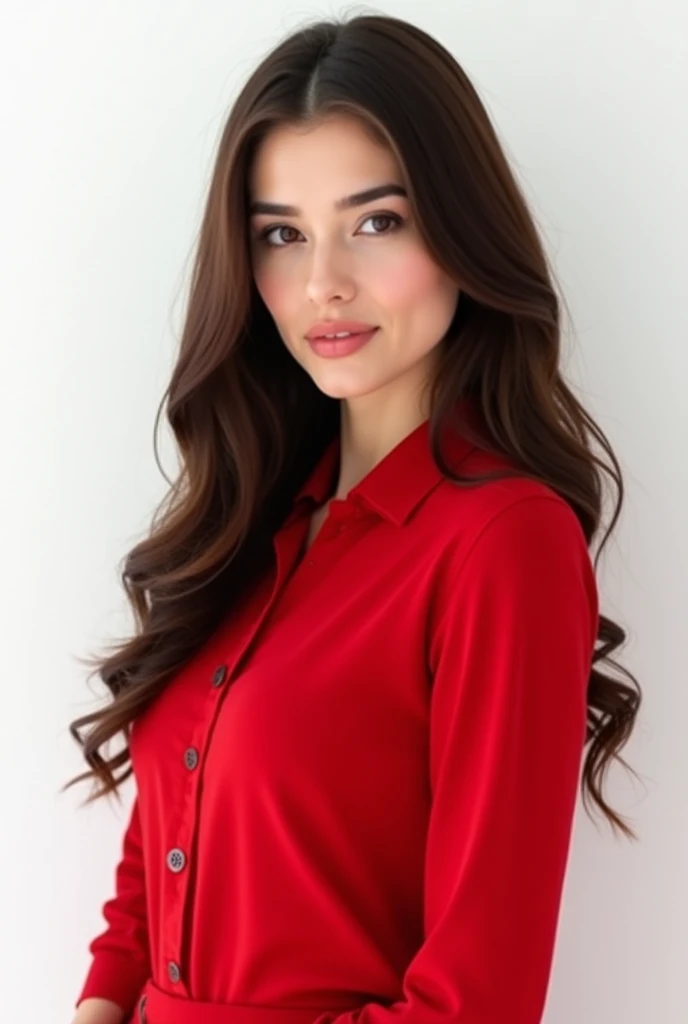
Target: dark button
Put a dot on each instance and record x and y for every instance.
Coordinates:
(176, 859)
(173, 972)
(220, 675)
(190, 757)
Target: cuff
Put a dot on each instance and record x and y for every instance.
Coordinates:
(114, 976)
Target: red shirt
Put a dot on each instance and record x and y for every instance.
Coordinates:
(355, 803)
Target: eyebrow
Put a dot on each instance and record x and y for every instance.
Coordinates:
(357, 199)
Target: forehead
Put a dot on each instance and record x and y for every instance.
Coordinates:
(337, 154)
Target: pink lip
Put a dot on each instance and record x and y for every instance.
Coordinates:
(335, 347)
(323, 327)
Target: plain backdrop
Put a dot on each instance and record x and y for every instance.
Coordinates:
(110, 116)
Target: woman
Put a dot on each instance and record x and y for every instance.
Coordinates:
(366, 662)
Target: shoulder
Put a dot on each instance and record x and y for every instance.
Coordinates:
(511, 551)
(513, 510)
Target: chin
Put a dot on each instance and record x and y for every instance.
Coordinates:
(335, 378)
(343, 385)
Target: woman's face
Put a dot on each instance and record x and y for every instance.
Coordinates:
(366, 262)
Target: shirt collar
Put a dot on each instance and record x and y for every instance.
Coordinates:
(403, 478)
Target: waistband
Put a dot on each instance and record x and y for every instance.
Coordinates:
(158, 1007)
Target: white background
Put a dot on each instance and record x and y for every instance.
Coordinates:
(110, 114)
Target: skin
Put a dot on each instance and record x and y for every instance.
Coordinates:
(354, 263)
(99, 1011)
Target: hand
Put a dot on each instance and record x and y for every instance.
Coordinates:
(101, 1011)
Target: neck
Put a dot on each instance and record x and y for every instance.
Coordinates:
(369, 430)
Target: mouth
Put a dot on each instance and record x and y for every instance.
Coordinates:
(336, 347)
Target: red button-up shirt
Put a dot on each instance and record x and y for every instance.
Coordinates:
(355, 803)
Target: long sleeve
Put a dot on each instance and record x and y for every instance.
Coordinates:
(510, 653)
(120, 964)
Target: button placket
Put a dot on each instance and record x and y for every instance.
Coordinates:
(176, 858)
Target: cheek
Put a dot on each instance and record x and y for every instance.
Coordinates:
(410, 280)
(280, 298)
(273, 290)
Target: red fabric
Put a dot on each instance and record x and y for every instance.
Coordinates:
(379, 821)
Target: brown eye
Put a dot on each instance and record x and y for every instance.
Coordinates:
(263, 236)
(393, 217)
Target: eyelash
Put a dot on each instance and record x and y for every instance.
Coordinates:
(263, 235)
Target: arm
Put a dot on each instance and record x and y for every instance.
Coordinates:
(510, 659)
(120, 962)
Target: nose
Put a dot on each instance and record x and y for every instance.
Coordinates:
(328, 279)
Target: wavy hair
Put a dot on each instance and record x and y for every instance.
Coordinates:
(250, 424)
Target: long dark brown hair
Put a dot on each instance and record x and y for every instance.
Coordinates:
(250, 423)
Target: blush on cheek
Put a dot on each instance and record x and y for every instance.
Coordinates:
(414, 277)
(279, 299)
(274, 292)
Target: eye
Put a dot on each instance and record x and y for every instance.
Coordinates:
(266, 232)
(395, 218)
(386, 216)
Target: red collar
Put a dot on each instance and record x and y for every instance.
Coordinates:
(403, 478)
